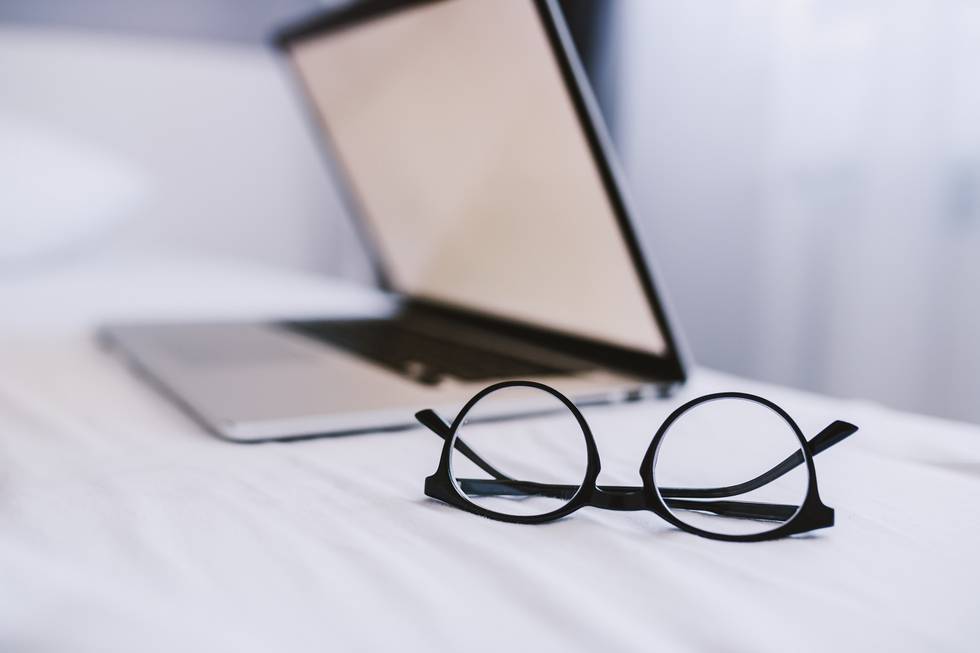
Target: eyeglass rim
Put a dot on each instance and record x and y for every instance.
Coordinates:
(592, 467)
(811, 501)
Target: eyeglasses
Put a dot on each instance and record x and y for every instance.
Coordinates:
(728, 466)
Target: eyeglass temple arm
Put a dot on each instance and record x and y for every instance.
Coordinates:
(831, 435)
(620, 497)
(625, 498)
(429, 419)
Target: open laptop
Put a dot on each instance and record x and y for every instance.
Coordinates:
(473, 158)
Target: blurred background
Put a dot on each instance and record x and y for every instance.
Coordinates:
(807, 172)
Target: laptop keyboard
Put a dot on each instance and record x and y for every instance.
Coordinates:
(418, 355)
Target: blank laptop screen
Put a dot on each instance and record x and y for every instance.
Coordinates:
(464, 152)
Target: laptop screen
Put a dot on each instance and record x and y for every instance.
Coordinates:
(463, 149)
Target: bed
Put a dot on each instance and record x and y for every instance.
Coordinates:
(124, 527)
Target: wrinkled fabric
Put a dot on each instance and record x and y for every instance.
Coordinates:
(124, 527)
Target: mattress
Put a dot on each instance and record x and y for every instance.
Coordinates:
(124, 527)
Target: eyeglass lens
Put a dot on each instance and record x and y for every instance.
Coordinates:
(715, 465)
(540, 446)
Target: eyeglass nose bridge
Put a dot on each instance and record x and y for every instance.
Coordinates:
(619, 497)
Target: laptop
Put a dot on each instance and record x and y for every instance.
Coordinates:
(472, 157)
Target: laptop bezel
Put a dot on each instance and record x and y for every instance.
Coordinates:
(668, 369)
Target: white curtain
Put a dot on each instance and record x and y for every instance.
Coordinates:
(809, 177)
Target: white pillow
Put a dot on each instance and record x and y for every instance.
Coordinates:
(57, 191)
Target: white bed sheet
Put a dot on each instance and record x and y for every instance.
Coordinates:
(123, 527)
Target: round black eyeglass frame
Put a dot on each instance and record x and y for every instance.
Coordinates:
(812, 514)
